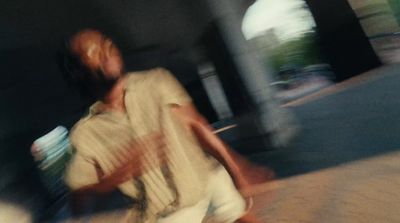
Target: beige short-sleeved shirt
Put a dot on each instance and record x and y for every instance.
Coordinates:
(100, 137)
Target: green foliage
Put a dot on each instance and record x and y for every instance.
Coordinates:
(301, 52)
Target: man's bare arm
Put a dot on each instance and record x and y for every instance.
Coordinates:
(109, 182)
(211, 143)
(232, 161)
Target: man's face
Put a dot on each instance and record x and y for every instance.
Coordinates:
(99, 54)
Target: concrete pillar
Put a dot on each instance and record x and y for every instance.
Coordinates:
(272, 119)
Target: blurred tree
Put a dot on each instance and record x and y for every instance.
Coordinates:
(300, 52)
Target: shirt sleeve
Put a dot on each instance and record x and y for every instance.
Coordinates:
(173, 91)
(81, 170)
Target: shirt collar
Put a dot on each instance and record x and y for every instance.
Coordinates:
(96, 108)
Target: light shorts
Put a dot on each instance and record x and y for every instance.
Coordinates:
(222, 203)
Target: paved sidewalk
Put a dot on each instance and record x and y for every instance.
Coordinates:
(365, 191)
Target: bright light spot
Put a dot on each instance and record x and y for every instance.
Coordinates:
(288, 18)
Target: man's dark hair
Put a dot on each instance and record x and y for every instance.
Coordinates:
(74, 71)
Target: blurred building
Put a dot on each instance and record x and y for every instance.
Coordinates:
(380, 22)
(266, 40)
(265, 43)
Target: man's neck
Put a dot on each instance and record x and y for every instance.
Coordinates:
(114, 99)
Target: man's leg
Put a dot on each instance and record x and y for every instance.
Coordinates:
(227, 204)
(222, 200)
(193, 214)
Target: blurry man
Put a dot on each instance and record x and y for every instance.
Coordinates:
(145, 137)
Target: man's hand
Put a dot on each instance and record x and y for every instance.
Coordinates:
(131, 163)
(249, 174)
(132, 157)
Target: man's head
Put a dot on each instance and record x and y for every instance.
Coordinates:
(97, 52)
(100, 60)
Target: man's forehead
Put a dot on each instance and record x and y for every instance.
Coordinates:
(85, 40)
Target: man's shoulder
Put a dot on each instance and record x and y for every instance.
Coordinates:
(154, 74)
(155, 70)
(82, 127)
